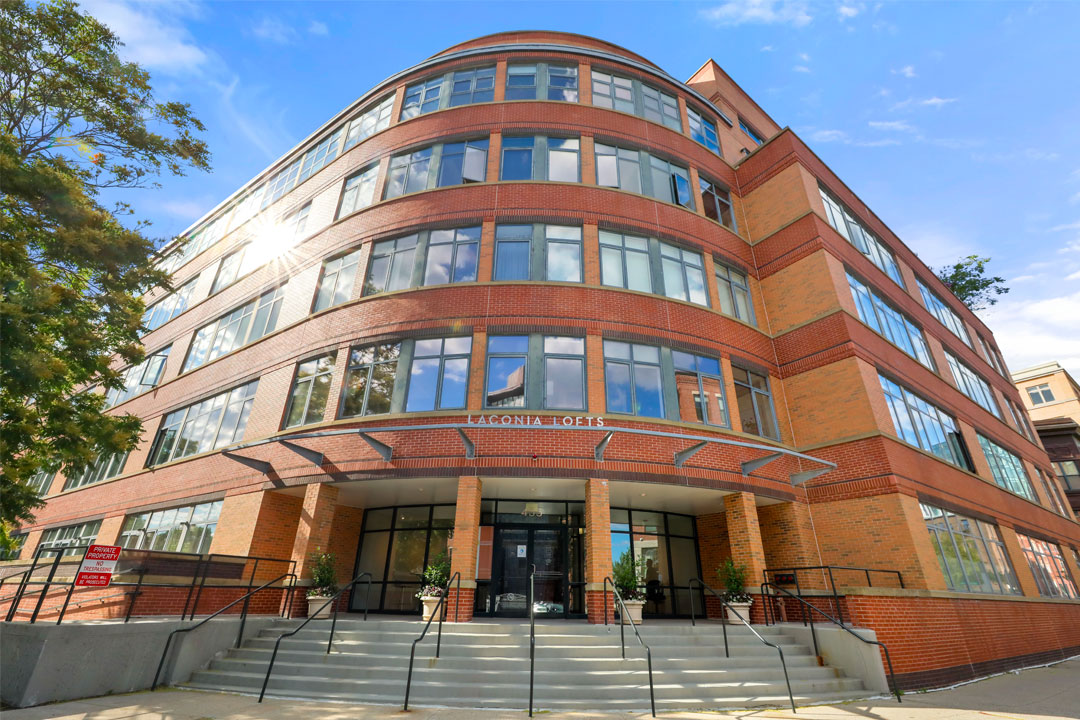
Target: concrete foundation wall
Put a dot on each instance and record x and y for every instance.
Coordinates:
(840, 650)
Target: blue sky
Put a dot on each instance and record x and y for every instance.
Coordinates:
(956, 122)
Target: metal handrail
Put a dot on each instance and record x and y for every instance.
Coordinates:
(333, 624)
(832, 581)
(532, 634)
(243, 619)
(838, 623)
(438, 645)
(733, 611)
(624, 615)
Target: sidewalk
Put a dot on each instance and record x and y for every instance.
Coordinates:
(1038, 694)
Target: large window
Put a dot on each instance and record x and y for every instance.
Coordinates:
(717, 202)
(41, 481)
(540, 158)
(1040, 394)
(1053, 494)
(562, 83)
(882, 317)
(371, 121)
(993, 356)
(943, 313)
(422, 98)
(437, 166)
(622, 168)
(409, 172)
(522, 81)
(472, 86)
(618, 167)
(53, 541)
(971, 553)
(244, 325)
(755, 403)
(507, 366)
(633, 379)
(396, 545)
(845, 223)
(660, 108)
(670, 183)
(463, 162)
(369, 381)
(169, 306)
(700, 386)
(924, 425)
(359, 191)
(624, 261)
(734, 293)
(703, 130)
(538, 372)
(336, 281)
(512, 252)
(187, 529)
(633, 96)
(971, 384)
(391, 265)
(1069, 472)
(215, 422)
(666, 544)
(102, 469)
(564, 373)
(1007, 468)
(557, 256)
(439, 374)
(451, 256)
(750, 132)
(311, 387)
(1019, 416)
(302, 168)
(1048, 567)
(139, 378)
(612, 91)
(684, 274)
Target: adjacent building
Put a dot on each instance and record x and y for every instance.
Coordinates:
(1052, 398)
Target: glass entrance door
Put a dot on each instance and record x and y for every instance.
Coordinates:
(516, 549)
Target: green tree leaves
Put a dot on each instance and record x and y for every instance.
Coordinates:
(968, 280)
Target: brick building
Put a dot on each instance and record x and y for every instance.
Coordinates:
(535, 301)
(1052, 397)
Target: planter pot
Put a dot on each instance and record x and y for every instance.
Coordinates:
(429, 606)
(742, 608)
(314, 602)
(633, 609)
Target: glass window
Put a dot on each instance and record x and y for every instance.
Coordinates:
(612, 91)
(336, 281)
(507, 362)
(408, 173)
(618, 167)
(883, 318)
(451, 256)
(244, 325)
(521, 82)
(666, 544)
(1049, 485)
(439, 374)
(391, 266)
(280, 183)
(1048, 567)
(512, 252)
(369, 380)
(632, 378)
(624, 261)
(215, 422)
(463, 162)
(472, 86)
(41, 481)
(371, 121)
(229, 269)
(517, 158)
(703, 130)
(422, 98)
(71, 536)
(670, 183)
(661, 108)
(992, 357)
(104, 468)
(1069, 472)
(943, 313)
(755, 403)
(139, 378)
(972, 385)
(562, 159)
(717, 203)
(684, 274)
(564, 373)
(1020, 419)
(317, 157)
(844, 223)
(187, 529)
(562, 83)
(1040, 394)
(750, 132)
(734, 294)
(700, 387)
(1007, 468)
(359, 190)
(311, 387)
(924, 425)
(169, 306)
(971, 553)
(563, 251)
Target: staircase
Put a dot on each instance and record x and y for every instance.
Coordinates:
(486, 665)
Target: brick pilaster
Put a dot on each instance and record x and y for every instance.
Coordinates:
(313, 532)
(465, 543)
(597, 547)
(744, 534)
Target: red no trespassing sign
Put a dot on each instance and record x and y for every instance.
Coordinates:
(97, 566)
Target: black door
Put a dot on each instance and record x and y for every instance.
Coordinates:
(516, 549)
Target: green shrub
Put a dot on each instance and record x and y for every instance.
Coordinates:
(323, 576)
(733, 578)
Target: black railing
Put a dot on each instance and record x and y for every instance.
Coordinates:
(771, 597)
(311, 616)
(624, 616)
(790, 576)
(438, 645)
(243, 619)
(735, 613)
(532, 633)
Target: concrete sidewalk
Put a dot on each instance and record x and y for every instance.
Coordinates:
(1040, 693)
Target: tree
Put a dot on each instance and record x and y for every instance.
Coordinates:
(74, 119)
(968, 281)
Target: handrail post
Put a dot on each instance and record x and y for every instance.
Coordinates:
(135, 594)
(690, 592)
(333, 624)
(605, 602)
(532, 634)
(206, 571)
(48, 584)
(191, 588)
(21, 590)
(900, 578)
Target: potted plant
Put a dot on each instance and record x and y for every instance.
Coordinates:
(733, 578)
(436, 578)
(323, 583)
(629, 575)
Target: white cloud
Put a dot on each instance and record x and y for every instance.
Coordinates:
(1032, 331)
(153, 34)
(937, 244)
(895, 125)
(767, 48)
(801, 69)
(846, 12)
(1073, 276)
(187, 209)
(1068, 226)
(274, 30)
(804, 57)
(824, 136)
(318, 28)
(764, 12)
(839, 136)
(1022, 279)
(907, 71)
(263, 129)
(875, 143)
(937, 102)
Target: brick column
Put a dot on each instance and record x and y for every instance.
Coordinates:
(313, 531)
(744, 534)
(713, 549)
(597, 548)
(465, 543)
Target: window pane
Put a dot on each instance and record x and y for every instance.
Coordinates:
(454, 381)
(564, 262)
(511, 260)
(564, 384)
(423, 382)
(506, 382)
(648, 391)
(617, 381)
